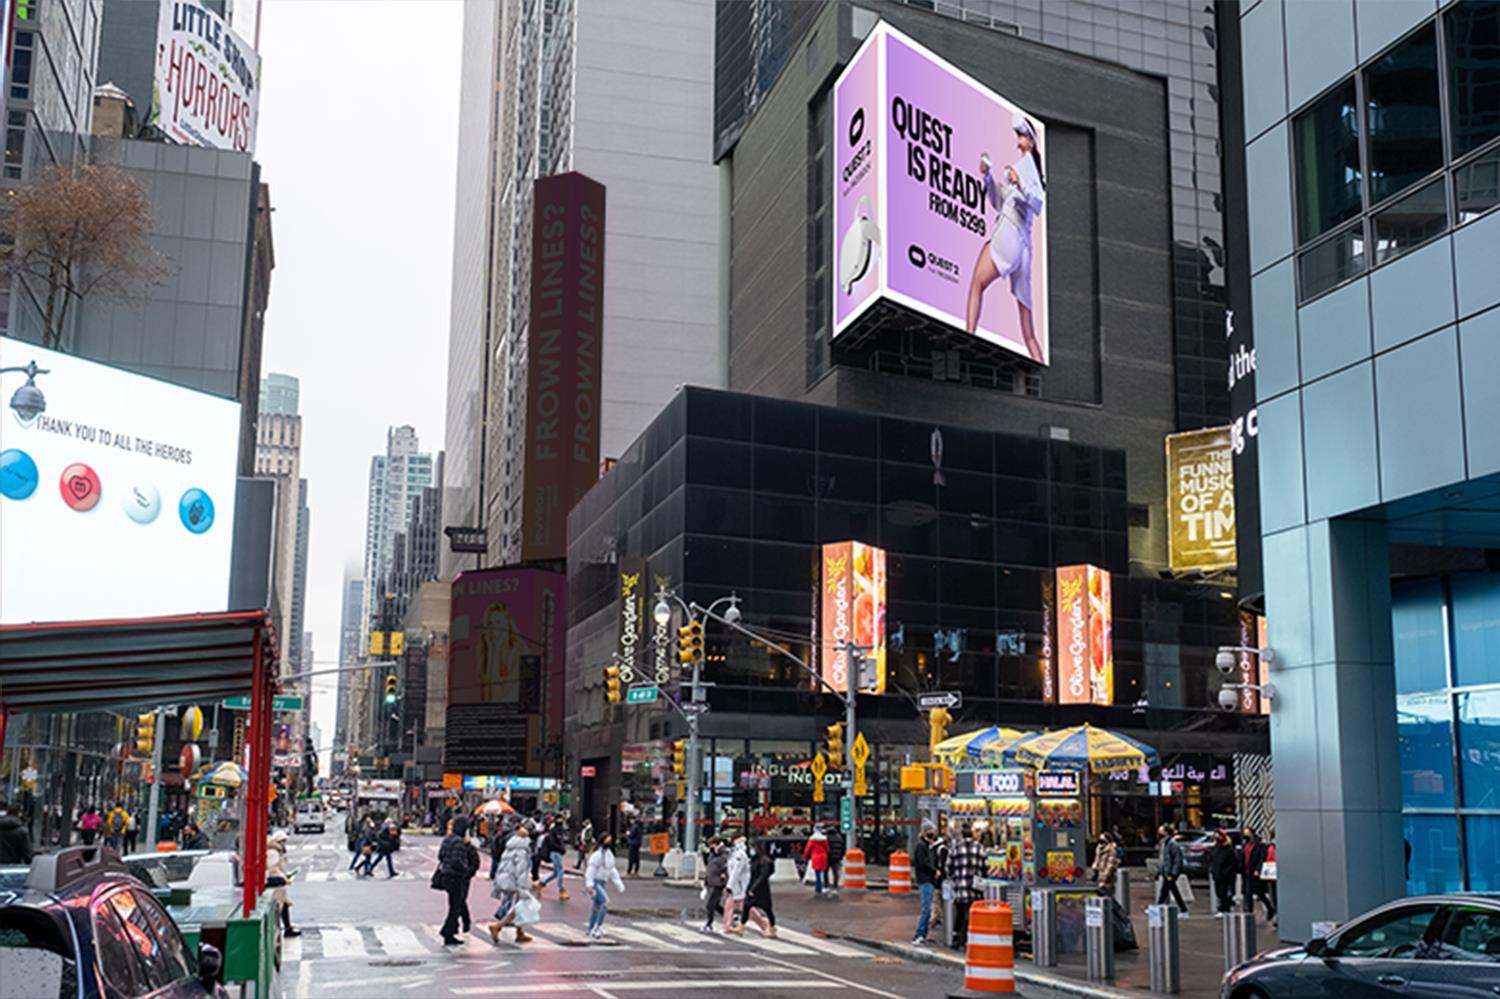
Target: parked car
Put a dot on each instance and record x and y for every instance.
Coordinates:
(310, 817)
(189, 868)
(84, 928)
(1432, 946)
(1197, 844)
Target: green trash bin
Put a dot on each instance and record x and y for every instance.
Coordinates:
(250, 945)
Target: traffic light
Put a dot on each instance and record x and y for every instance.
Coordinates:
(377, 643)
(390, 688)
(937, 721)
(398, 644)
(679, 757)
(835, 750)
(690, 643)
(145, 733)
(612, 684)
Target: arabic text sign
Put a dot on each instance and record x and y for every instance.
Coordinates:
(1056, 783)
(207, 86)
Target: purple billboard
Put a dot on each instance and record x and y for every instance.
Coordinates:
(940, 198)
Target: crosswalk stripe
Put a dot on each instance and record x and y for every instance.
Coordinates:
(342, 941)
(397, 940)
(560, 931)
(826, 946)
(291, 950)
(749, 939)
(635, 936)
(318, 876)
(682, 934)
(507, 942)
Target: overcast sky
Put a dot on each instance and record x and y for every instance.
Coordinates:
(358, 138)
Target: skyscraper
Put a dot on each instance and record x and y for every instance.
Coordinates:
(558, 86)
(278, 456)
(351, 636)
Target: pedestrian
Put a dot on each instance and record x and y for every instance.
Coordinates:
(601, 869)
(715, 878)
(192, 838)
(585, 842)
(757, 908)
(816, 855)
(386, 842)
(497, 846)
(924, 866)
(511, 886)
(1106, 863)
(966, 865)
(1256, 854)
(537, 827)
(89, 824)
(364, 844)
(132, 832)
(278, 878)
(1224, 870)
(1169, 867)
(114, 826)
(836, 848)
(736, 886)
(554, 845)
(634, 834)
(15, 840)
(458, 862)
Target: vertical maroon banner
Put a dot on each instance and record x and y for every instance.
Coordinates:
(563, 358)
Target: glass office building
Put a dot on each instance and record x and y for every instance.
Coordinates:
(1373, 165)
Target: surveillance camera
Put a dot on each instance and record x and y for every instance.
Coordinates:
(732, 615)
(1225, 662)
(1229, 698)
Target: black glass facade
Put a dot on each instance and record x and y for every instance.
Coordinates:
(736, 493)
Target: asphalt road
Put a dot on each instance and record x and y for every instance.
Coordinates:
(379, 937)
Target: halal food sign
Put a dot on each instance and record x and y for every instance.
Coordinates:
(1084, 649)
(853, 611)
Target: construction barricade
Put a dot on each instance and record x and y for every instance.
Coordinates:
(990, 960)
(900, 873)
(854, 870)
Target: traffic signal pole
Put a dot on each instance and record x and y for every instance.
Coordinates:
(695, 770)
(856, 655)
(154, 795)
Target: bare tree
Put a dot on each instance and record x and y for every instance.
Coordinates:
(79, 230)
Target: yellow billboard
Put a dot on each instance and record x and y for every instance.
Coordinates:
(1200, 500)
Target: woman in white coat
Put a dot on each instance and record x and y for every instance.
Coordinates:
(738, 885)
(1018, 198)
(601, 870)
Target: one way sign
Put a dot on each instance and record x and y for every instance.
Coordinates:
(949, 699)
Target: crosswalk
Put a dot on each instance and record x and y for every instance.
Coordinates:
(397, 940)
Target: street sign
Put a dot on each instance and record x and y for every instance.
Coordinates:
(819, 767)
(588, 771)
(846, 815)
(640, 695)
(950, 699)
(695, 707)
(859, 752)
(282, 702)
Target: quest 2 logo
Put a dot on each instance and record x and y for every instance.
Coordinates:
(922, 259)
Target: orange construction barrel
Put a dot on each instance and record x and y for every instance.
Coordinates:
(854, 869)
(990, 961)
(900, 873)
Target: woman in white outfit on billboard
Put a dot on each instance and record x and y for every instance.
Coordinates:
(1018, 198)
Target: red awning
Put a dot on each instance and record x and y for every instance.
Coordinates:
(82, 665)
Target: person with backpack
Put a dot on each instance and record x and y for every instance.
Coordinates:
(554, 846)
(385, 842)
(715, 878)
(837, 845)
(458, 862)
(511, 884)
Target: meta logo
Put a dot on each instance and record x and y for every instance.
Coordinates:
(857, 127)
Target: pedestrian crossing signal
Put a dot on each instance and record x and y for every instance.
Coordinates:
(835, 741)
(612, 684)
(145, 733)
(377, 643)
(679, 757)
(690, 643)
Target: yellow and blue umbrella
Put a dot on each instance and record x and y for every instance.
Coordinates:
(981, 745)
(1082, 747)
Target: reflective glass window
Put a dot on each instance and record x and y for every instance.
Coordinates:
(1390, 934)
(1482, 838)
(1473, 32)
(1432, 864)
(1410, 221)
(1325, 141)
(1402, 119)
(1476, 185)
(1424, 730)
(1479, 747)
(1418, 625)
(1332, 261)
(116, 954)
(1476, 629)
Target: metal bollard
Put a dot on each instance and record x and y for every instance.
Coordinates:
(1239, 938)
(1122, 888)
(1099, 939)
(1043, 929)
(950, 917)
(1163, 955)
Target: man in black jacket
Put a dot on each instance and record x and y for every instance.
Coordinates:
(924, 865)
(458, 862)
(837, 846)
(15, 841)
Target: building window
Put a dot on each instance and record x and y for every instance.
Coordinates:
(15, 143)
(1473, 34)
(1333, 261)
(20, 65)
(1402, 120)
(1328, 175)
(1410, 221)
(1476, 185)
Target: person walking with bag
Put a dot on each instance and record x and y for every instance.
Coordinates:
(458, 862)
(511, 885)
(601, 869)
(816, 854)
(554, 846)
(1256, 854)
(736, 886)
(758, 894)
(1169, 868)
(386, 842)
(278, 877)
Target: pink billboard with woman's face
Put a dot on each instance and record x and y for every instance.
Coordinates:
(940, 194)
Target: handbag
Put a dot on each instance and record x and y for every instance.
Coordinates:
(1268, 871)
(528, 910)
(1185, 887)
(439, 879)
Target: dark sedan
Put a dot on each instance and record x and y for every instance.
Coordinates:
(1427, 946)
